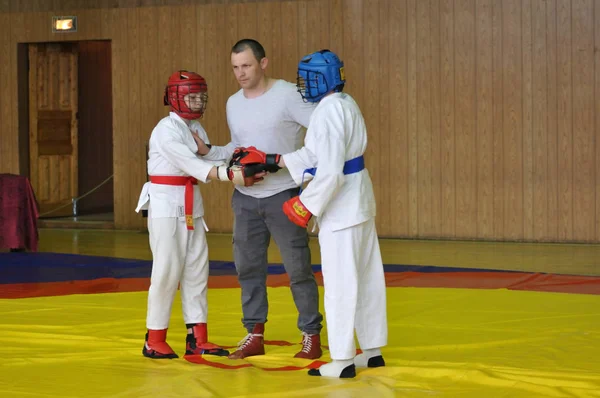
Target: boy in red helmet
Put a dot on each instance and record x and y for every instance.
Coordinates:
(175, 217)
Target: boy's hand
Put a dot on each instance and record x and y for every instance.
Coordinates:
(241, 175)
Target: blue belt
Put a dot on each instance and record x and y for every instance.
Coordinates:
(350, 167)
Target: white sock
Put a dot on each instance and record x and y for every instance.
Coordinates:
(334, 369)
(362, 360)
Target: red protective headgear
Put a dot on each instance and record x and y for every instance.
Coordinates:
(180, 84)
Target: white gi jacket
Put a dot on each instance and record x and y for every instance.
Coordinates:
(336, 134)
(173, 152)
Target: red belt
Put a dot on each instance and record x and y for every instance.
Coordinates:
(188, 182)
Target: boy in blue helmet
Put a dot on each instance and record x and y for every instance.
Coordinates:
(341, 198)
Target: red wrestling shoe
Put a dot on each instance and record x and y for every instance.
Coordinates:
(156, 346)
(197, 343)
(252, 344)
(311, 347)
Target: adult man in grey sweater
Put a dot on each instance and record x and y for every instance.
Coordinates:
(270, 115)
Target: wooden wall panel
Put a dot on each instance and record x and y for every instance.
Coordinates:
(552, 119)
(512, 114)
(596, 129)
(465, 134)
(151, 84)
(215, 51)
(335, 22)
(8, 78)
(369, 107)
(436, 118)
(131, 152)
(484, 128)
(527, 123)
(447, 123)
(185, 17)
(385, 106)
(539, 123)
(582, 52)
(497, 117)
(224, 73)
(247, 26)
(412, 133)
(423, 133)
(482, 114)
(122, 80)
(279, 22)
(289, 43)
(7, 163)
(397, 145)
(64, 6)
(565, 120)
(324, 31)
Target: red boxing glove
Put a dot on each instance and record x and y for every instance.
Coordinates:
(251, 155)
(241, 175)
(235, 157)
(296, 212)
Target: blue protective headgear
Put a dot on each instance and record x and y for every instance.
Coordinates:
(320, 73)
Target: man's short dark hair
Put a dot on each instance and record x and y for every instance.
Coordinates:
(244, 44)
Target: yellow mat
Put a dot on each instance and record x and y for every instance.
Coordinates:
(442, 342)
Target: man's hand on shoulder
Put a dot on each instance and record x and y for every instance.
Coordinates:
(203, 148)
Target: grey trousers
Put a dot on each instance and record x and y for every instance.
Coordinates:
(256, 221)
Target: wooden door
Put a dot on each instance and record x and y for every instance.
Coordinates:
(53, 126)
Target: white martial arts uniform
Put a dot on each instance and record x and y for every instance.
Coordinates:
(179, 255)
(344, 205)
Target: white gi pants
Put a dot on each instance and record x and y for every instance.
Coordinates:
(179, 257)
(354, 283)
